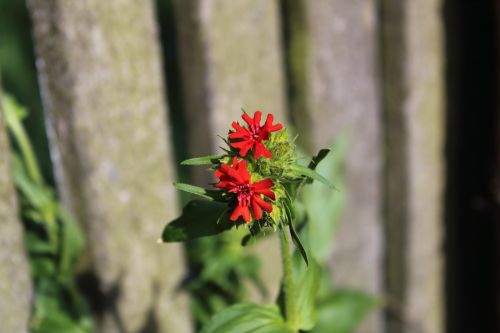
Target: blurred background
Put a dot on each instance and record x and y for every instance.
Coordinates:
(101, 100)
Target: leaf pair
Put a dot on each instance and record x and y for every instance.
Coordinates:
(252, 318)
(248, 318)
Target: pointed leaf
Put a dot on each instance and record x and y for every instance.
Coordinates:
(298, 244)
(199, 218)
(300, 170)
(204, 160)
(199, 191)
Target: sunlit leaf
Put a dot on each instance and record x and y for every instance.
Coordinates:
(300, 170)
(199, 191)
(247, 318)
(204, 160)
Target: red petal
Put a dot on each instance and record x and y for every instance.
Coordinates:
(240, 133)
(236, 213)
(243, 146)
(263, 184)
(264, 204)
(256, 118)
(247, 119)
(269, 120)
(231, 173)
(267, 193)
(269, 127)
(243, 171)
(260, 150)
(257, 211)
(264, 187)
(238, 127)
(228, 185)
(275, 128)
(245, 212)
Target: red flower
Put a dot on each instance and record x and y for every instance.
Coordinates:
(236, 179)
(253, 136)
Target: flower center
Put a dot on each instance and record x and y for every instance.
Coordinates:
(255, 131)
(244, 194)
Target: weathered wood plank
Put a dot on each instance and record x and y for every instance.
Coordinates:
(230, 59)
(100, 75)
(413, 103)
(332, 46)
(15, 277)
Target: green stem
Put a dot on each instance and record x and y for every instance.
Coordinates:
(288, 281)
(20, 136)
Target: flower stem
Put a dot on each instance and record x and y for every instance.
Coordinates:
(288, 281)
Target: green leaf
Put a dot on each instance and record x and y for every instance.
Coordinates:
(199, 191)
(199, 218)
(307, 289)
(42, 266)
(72, 243)
(297, 243)
(204, 160)
(344, 311)
(323, 207)
(55, 310)
(247, 318)
(38, 246)
(300, 170)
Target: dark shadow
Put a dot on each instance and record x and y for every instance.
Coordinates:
(18, 76)
(173, 85)
(101, 302)
(151, 323)
(294, 43)
(470, 219)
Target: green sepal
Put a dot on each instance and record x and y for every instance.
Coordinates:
(203, 160)
(247, 318)
(199, 218)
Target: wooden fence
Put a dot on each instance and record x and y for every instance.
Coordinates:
(371, 69)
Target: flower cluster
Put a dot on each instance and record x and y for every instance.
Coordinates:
(235, 178)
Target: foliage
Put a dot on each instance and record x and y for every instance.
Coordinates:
(340, 310)
(219, 271)
(19, 76)
(275, 172)
(53, 239)
(248, 318)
